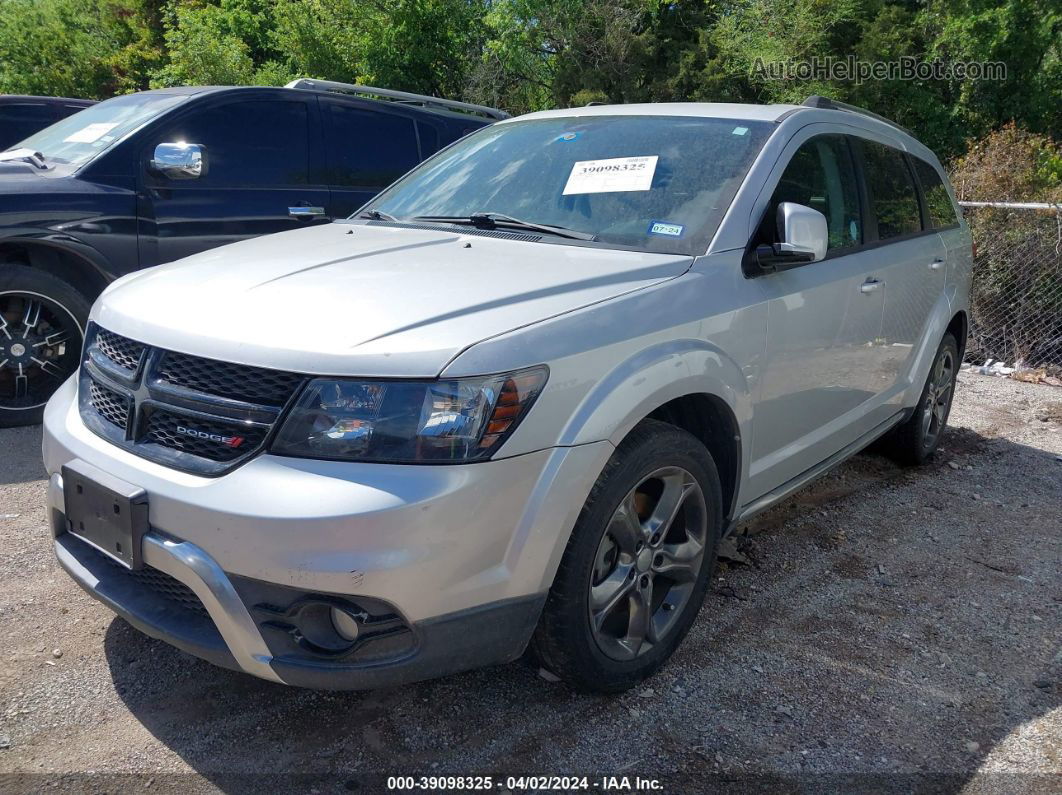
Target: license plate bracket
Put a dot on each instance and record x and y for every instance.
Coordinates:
(106, 512)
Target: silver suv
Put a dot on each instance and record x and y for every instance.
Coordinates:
(517, 400)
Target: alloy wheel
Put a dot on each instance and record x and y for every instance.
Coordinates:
(938, 398)
(40, 342)
(648, 563)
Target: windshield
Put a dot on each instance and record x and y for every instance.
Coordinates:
(645, 182)
(77, 139)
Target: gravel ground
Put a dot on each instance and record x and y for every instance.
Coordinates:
(894, 629)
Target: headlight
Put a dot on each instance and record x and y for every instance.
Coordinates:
(445, 421)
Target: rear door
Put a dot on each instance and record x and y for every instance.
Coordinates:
(256, 181)
(368, 146)
(909, 257)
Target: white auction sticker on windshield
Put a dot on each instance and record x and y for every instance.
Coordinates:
(611, 176)
(90, 133)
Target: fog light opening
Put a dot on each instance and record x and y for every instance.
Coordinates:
(345, 624)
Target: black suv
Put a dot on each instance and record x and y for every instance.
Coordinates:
(147, 178)
(20, 116)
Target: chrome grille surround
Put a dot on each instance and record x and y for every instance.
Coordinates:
(197, 416)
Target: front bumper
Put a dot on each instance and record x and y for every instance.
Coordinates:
(459, 556)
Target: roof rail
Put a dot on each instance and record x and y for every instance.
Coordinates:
(398, 96)
(815, 101)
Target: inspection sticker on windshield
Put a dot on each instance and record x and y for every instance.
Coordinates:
(665, 228)
(611, 176)
(90, 133)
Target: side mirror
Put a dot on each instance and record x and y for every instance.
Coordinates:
(179, 160)
(803, 238)
(802, 231)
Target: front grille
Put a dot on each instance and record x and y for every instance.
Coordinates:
(124, 352)
(169, 587)
(198, 415)
(159, 582)
(235, 381)
(110, 405)
(216, 441)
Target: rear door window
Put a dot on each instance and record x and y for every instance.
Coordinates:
(939, 210)
(369, 148)
(429, 139)
(892, 191)
(21, 120)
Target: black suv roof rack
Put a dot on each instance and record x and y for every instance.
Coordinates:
(815, 101)
(405, 97)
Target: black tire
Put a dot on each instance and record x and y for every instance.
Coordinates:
(67, 308)
(564, 641)
(910, 443)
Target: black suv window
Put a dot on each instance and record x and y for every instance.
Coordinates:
(821, 176)
(369, 149)
(939, 209)
(429, 139)
(253, 143)
(892, 191)
(22, 119)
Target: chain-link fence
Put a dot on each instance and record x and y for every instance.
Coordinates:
(1016, 312)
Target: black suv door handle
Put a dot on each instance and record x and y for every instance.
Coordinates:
(306, 212)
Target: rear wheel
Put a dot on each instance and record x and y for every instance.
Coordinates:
(636, 568)
(42, 322)
(919, 436)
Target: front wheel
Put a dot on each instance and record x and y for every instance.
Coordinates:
(919, 436)
(638, 563)
(42, 322)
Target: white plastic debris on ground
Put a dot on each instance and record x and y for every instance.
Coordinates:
(992, 367)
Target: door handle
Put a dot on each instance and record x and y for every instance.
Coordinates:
(871, 285)
(306, 212)
(936, 264)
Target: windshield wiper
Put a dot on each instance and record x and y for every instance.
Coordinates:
(376, 215)
(26, 154)
(494, 220)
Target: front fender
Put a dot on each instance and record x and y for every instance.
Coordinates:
(651, 378)
(99, 270)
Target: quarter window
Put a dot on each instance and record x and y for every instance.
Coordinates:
(939, 209)
(369, 149)
(892, 191)
(821, 176)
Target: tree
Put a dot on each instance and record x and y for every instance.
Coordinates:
(78, 47)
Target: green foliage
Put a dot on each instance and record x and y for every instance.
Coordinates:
(78, 48)
(1016, 293)
(532, 54)
(1011, 164)
(203, 51)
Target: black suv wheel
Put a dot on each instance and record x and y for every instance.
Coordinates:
(42, 322)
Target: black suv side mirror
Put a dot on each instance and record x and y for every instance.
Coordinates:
(179, 160)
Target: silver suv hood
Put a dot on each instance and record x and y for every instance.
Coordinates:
(353, 299)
